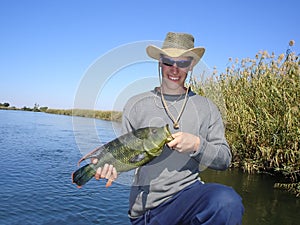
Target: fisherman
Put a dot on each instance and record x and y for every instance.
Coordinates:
(168, 190)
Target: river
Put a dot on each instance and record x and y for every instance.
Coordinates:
(39, 152)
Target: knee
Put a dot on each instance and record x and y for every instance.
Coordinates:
(223, 206)
(227, 198)
(224, 203)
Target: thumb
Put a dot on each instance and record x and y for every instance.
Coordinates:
(172, 143)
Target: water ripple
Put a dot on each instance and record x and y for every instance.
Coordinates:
(39, 153)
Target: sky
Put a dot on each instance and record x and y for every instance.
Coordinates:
(66, 54)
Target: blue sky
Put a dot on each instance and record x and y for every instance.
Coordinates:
(48, 47)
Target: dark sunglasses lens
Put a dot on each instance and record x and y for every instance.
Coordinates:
(180, 64)
(168, 62)
(183, 64)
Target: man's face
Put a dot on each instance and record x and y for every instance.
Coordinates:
(174, 72)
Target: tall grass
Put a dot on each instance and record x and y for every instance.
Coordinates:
(98, 114)
(261, 103)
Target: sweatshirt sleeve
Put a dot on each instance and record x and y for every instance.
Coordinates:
(126, 125)
(214, 151)
(128, 112)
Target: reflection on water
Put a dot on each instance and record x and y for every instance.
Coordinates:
(263, 204)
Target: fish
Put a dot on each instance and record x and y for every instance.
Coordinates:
(127, 152)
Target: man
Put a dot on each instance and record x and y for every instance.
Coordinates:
(168, 190)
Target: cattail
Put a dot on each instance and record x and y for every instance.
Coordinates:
(280, 57)
(266, 54)
(273, 55)
(291, 43)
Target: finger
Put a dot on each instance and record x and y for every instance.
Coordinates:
(177, 134)
(94, 160)
(109, 172)
(104, 171)
(178, 149)
(108, 183)
(98, 173)
(172, 143)
(114, 173)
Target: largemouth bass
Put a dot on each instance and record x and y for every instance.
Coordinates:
(126, 152)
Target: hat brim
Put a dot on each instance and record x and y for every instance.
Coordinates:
(155, 52)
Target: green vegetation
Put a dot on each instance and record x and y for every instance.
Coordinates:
(260, 101)
(98, 114)
(104, 115)
(4, 105)
(36, 107)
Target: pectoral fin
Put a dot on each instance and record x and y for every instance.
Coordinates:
(93, 153)
(137, 158)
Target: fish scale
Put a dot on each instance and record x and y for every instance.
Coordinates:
(126, 152)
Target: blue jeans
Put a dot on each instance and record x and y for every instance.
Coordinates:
(199, 203)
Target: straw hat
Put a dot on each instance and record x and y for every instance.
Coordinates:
(176, 45)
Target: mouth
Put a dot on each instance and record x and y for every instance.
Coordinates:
(173, 78)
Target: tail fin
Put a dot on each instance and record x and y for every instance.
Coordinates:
(83, 175)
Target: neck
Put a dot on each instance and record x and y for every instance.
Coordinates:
(167, 91)
(175, 120)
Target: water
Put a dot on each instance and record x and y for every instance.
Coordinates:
(39, 152)
(263, 204)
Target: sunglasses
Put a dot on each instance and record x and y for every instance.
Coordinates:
(179, 63)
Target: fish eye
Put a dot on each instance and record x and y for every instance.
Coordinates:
(154, 131)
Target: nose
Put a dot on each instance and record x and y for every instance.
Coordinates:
(174, 69)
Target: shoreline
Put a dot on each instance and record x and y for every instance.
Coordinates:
(108, 115)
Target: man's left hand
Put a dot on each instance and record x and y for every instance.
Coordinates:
(184, 142)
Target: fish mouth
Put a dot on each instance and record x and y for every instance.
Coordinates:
(169, 135)
(170, 139)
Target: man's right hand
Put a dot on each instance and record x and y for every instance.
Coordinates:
(108, 172)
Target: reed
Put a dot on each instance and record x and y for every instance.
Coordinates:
(104, 115)
(261, 103)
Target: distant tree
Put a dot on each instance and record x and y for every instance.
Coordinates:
(26, 108)
(36, 107)
(5, 104)
(43, 109)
